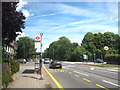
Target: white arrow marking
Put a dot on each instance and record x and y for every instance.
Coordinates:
(92, 68)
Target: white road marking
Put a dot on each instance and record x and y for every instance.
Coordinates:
(111, 83)
(81, 73)
(107, 71)
(92, 68)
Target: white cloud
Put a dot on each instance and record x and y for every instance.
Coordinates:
(21, 35)
(77, 23)
(71, 10)
(26, 13)
(52, 14)
(21, 4)
(88, 28)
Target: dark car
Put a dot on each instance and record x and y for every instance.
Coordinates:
(55, 64)
(99, 60)
(21, 61)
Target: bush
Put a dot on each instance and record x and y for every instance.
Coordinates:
(112, 58)
(6, 78)
(15, 66)
(4, 59)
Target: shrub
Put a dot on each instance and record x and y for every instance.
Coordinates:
(112, 58)
(4, 59)
(6, 78)
(15, 66)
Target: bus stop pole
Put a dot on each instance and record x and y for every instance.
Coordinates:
(41, 59)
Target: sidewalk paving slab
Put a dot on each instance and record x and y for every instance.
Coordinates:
(23, 79)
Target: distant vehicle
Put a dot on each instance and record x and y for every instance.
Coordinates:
(46, 61)
(21, 61)
(55, 64)
(51, 60)
(99, 60)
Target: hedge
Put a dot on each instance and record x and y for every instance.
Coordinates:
(15, 66)
(112, 58)
(6, 78)
(8, 68)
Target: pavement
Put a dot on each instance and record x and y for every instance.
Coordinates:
(27, 78)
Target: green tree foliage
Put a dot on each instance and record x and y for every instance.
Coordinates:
(94, 43)
(25, 47)
(77, 54)
(60, 49)
(12, 21)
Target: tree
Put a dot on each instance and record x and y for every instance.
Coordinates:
(12, 21)
(77, 54)
(88, 42)
(58, 49)
(94, 43)
(69, 54)
(25, 47)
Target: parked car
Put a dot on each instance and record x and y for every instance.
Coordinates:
(21, 61)
(46, 61)
(99, 60)
(55, 64)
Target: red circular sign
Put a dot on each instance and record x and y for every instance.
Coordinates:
(37, 38)
(41, 34)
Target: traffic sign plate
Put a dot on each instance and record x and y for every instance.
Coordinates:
(37, 38)
(41, 34)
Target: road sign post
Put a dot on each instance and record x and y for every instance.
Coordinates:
(38, 44)
(41, 34)
(94, 58)
(106, 48)
(85, 57)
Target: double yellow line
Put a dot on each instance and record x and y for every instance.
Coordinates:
(56, 82)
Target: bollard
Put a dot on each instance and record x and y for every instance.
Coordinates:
(39, 71)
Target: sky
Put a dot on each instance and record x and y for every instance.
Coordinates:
(70, 19)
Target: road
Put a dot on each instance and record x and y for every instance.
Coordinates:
(84, 76)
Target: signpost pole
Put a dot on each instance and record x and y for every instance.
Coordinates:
(41, 56)
(106, 48)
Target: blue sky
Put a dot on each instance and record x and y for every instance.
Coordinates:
(70, 19)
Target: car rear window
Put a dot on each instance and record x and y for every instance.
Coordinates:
(55, 61)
